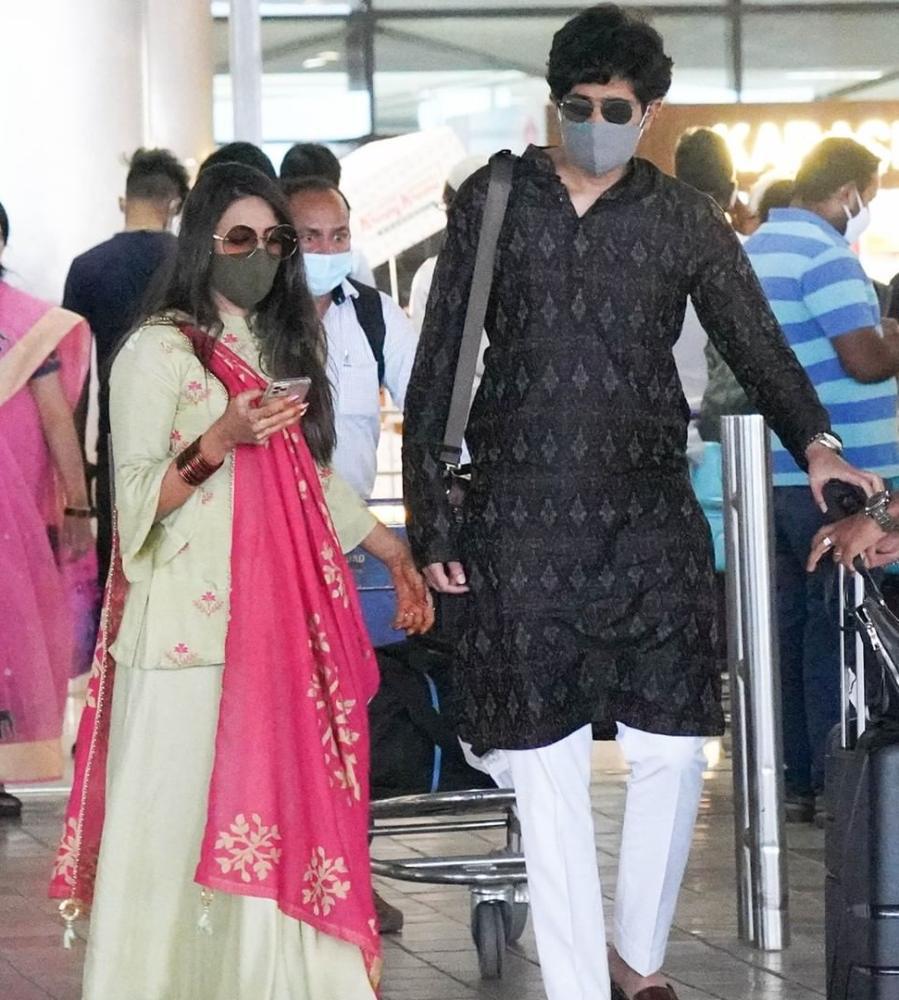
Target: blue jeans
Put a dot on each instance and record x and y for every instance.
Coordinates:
(809, 633)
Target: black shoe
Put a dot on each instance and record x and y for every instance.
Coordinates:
(799, 808)
(10, 806)
(390, 919)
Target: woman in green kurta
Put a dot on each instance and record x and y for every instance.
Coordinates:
(154, 934)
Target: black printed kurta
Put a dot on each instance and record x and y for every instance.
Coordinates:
(588, 557)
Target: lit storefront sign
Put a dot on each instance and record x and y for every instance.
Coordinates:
(780, 146)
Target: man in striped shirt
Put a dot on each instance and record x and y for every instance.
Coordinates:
(829, 313)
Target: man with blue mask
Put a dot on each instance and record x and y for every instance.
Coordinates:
(585, 554)
(371, 342)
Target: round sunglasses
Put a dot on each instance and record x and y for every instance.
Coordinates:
(579, 108)
(279, 242)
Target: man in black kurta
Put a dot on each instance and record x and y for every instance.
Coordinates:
(587, 556)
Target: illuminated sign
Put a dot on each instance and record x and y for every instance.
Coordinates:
(781, 146)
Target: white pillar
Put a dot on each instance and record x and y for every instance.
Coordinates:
(245, 29)
(83, 85)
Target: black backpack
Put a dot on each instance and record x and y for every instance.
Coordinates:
(414, 747)
(370, 314)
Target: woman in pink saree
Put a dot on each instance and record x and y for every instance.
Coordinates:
(219, 814)
(44, 522)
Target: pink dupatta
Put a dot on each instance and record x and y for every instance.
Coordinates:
(35, 615)
(288, 804)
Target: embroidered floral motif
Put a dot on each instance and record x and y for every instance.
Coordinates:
(208, 604)
(333, 575)
(64, 866)
(251, 848)
(206, 497)
(326, 886)
(182, 655)
(176, 442)
(230, 339)
(338, 738)
(318, 641)
(195, 392)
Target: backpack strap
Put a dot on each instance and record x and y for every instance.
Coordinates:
(370, 314)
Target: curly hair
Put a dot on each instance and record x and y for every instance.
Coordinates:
(602, 43)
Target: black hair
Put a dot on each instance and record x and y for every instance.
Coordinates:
(156, 175)
(286, 324)
(703, 161)
(778, 194)
(831, 164)
(310, 159)
(300, 185)
(4, 232)
(604, 42)
(247, 153)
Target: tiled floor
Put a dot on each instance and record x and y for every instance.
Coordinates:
(434, 959)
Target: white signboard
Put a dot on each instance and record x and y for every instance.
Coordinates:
(395, 188)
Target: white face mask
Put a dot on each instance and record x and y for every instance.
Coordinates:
(858, 223)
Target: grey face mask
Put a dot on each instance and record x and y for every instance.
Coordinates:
(599, 147)
(245, 281)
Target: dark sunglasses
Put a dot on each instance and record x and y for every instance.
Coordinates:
(280, 242)
(578, 108)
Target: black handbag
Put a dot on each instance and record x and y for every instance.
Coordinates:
(879, 629)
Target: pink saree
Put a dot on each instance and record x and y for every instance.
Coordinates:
(35, 620)
(287, 814)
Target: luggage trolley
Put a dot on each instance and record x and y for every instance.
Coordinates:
(497, 882)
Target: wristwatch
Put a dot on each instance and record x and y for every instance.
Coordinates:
(876, 508)
(828, 440)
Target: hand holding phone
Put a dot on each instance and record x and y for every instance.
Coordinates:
(294, 389)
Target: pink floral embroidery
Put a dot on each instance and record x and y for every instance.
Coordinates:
(182, 655)
(230, 339)
(64, 866)
(338, 738)
(195, 392)
(326, 886)
(176, 442)
(333, 575)
(208, 604)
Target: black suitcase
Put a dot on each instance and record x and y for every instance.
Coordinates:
(861, 832)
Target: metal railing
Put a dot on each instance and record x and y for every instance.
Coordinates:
(762, 895)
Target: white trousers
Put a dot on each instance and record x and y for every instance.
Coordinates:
(552, 787)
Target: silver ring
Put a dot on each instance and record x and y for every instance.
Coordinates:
(827, 541)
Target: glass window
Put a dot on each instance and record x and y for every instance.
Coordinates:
(308, 90)
(485, 76)
(794, 57)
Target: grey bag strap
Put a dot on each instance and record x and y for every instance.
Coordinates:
(501, 167)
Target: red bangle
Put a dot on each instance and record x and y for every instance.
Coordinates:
(193, 467)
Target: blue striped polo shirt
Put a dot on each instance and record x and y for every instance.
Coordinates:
(818, 290)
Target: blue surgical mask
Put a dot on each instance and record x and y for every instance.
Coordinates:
(325, 271)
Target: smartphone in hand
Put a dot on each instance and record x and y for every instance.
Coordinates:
(286, 388)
